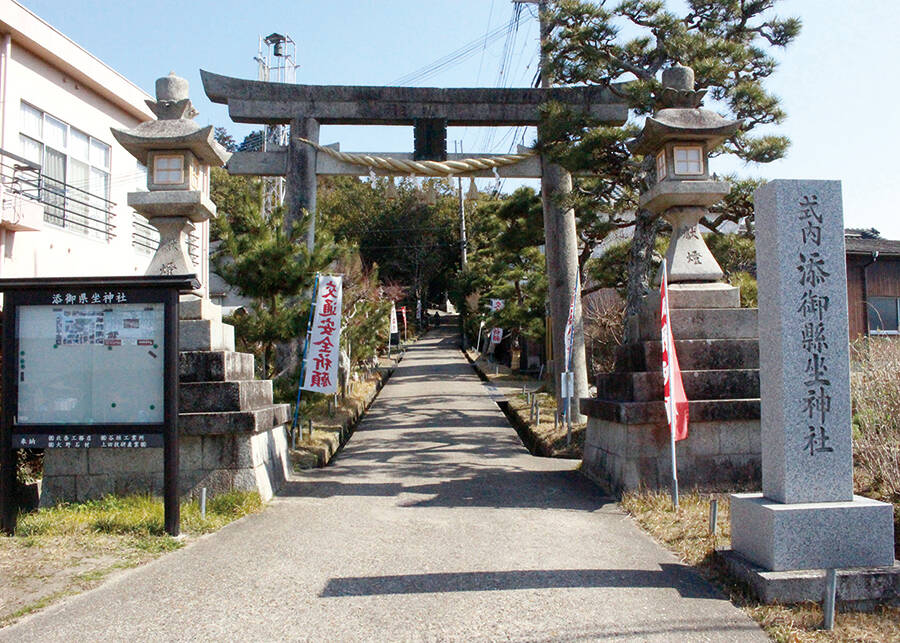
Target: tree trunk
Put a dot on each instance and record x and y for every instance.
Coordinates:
(646, 227)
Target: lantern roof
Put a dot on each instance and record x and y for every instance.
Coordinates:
(683, 124)
(175, 129)
(682, 118)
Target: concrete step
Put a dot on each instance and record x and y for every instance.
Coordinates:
(700, 323)
(221, 423)
(205, 335)
(655, 412)
(214, 366)
(698, 385)
(693, 355)
(244, 395)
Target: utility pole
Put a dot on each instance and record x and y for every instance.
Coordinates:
(561, 248)
(462, 216)
(462, 249)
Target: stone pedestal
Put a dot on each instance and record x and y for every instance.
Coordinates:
(231, 434)
(807, 516)
(627, 441)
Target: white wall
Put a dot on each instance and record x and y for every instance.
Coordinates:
(54, 251)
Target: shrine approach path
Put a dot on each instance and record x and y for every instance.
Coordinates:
(434, 523)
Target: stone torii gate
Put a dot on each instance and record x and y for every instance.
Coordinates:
(429, 111)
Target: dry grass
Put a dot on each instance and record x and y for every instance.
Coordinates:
(548, 438)
(70, 548)
(686, 533)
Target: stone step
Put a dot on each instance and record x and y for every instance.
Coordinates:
(700, 323)
(221, 423)
(214, 366)
(244, 395)
(193, 308)
(655, 412)
(693, 355)
(698, 385)
(205, 335)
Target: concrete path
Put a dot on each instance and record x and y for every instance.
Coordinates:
(433, 524)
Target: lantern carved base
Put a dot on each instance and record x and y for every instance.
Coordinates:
(688, 258)
(172, 256)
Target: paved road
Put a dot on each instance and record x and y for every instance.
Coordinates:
(433, 524)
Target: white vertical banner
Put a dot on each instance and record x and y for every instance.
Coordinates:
(496, 335)
(323, 354)
(394, 326)
(497, 305)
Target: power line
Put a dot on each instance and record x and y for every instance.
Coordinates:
(455, 57)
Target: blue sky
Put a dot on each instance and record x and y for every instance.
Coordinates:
(836, 81)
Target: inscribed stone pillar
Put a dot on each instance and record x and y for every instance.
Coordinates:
(805, 370)
(807, 516)
(300, 190)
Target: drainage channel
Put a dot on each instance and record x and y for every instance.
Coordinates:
(527, 438)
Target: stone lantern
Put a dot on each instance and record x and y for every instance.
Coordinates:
(178, 154)
(679, 138)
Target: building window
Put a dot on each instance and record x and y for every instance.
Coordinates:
(168, 169)
(884, 313)
(688, 159)
(661, 166)
(74, 172)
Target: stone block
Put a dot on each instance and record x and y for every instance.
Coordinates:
(804, 369)
(214, 366)
(123, 461)
(57, 489)
(818, 535)
(227, 452)
(94, 487)
(228, 337)
(190, 452)
(194, 308)
(734, 437)
(137, 483)
(210, 397)
(699, 295)
(702, 439)
(203, 335)
(65, 462)
(857, 589)
(693, 355)
(699, 323)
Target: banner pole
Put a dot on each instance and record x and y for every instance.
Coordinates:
(670, 377)
(312, 309)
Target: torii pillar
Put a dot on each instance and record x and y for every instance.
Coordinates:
(430, 111)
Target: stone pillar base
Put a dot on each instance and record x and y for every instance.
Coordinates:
(815, 535)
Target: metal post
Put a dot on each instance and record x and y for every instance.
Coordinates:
(203, 503)
(309, 321)
(830, 596)
(7, 453)
(171, 505)
(713, 516)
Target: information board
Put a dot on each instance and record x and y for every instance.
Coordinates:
(90, 364)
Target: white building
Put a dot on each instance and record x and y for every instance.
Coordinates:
(64, 177)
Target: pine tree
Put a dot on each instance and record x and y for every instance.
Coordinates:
(624, 47)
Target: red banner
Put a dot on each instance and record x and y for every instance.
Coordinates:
(675, 398)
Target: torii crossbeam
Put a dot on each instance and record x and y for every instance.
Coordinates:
(430, 111)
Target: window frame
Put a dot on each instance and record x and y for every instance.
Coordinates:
(72, 213)
(168, 157)
(688, 148)
(872, 309)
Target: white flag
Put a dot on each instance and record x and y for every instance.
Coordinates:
(322, 354)
(394, 327)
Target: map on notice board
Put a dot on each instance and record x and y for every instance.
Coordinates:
(91, 364)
